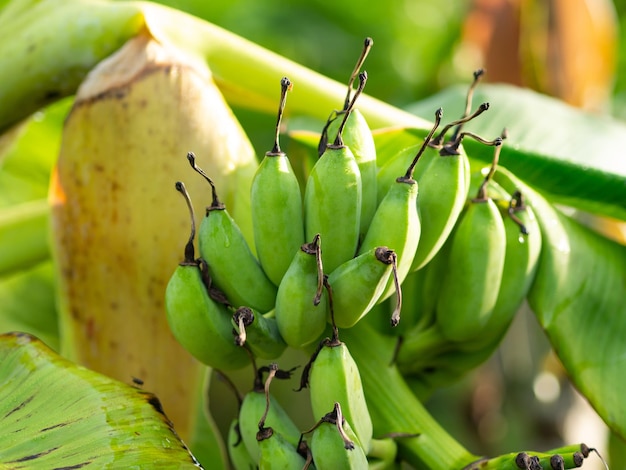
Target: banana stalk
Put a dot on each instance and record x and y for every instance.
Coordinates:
(117, 226)
(395, 409)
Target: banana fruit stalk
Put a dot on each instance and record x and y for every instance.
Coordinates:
(117, 227)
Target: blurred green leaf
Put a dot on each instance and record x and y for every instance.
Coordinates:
(30, 153)
(413, 41)
(574, 157)
(578, 298)
(28, 303)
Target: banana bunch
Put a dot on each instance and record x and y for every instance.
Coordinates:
(445, 246)
(470, 292)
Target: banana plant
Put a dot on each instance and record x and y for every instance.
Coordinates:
(146, 83)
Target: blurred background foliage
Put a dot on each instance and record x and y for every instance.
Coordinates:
(568, 49)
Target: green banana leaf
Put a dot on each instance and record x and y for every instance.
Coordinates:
(574, 157)
(55, 414)
(578, 298)
(29, 152)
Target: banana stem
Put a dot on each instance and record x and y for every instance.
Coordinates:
(246, 72)
(395, 409)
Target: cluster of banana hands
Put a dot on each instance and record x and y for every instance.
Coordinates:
(357, 245)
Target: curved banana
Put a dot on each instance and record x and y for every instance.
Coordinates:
(232, 265)
(357, 136)
(399, 209)
(523, 247)
(444, 185)
(443, 191)
(334, 377)
(276, 204)
(358, 284)
(259, 409)
(335, 445)
(301, 301)
(333, 196)
(201, 325)
(469, 289)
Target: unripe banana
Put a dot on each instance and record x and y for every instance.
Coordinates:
(276, 200)
(239, 456)
(334, 444)
(258, 409)
(301, 301)
(444, 185)
(276, 453)
(232, 265)
(523, 247)
(332, 198)
(358, 284)
(259, 333)
(357, 136)
(109, 147)
(201, 325)
(334, 377)
(399, 209)
(469, 289)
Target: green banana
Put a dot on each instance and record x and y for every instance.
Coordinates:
(335, 445)
(332, 198)
(333, 377)
(232, 265)
(443, 191)
(358, 283)
(444, 186)
(239, 456)
(358, 137)
(523, 247)
(399, 209)
(259, 333)
(301, 302)
(276, 453)
(469, 289)
(200, 324)
(260, 408)
(276, 206)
